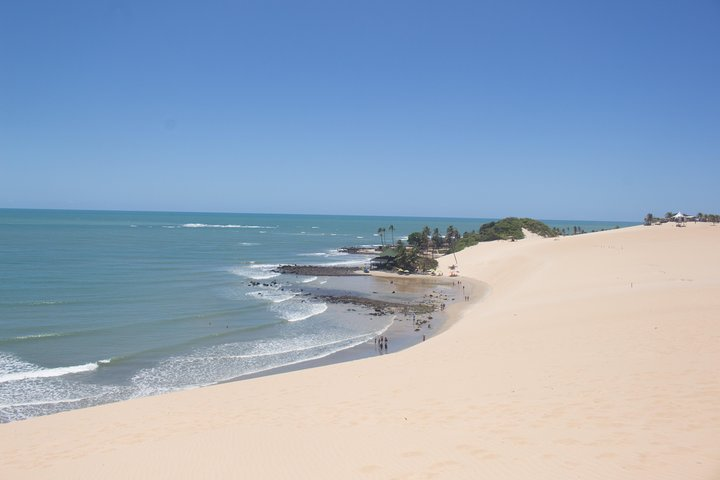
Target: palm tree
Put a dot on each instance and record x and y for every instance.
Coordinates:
(426, 237)
(392, 232)
(436, 239)
(381, 232)
(649, 219)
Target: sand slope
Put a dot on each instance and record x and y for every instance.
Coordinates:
(596, 356)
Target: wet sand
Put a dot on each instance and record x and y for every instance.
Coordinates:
(390, 293)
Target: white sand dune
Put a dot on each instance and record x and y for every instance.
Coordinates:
(595, 356)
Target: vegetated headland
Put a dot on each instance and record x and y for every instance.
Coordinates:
(417, 254)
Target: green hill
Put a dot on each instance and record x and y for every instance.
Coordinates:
(505, 229)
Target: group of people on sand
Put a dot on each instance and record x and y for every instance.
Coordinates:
(465, 297)
(381, 342)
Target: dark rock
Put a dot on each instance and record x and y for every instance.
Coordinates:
(317, 270)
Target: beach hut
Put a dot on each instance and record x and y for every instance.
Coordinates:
(681, 218)
(384, 262)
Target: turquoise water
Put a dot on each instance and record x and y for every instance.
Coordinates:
(97, 307)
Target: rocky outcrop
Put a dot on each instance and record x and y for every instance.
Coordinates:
(318, 270)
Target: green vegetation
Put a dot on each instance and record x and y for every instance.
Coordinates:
(419, 252)
(412, 259)
(506, 229)
(708, 217)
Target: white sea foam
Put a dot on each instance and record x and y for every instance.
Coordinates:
(249, 244)
(28, 390)
(272, 295)
(300, 344)
(224, 362)
(10, 363)
(296, 311)
(326, 254)
(42, 402)
(47, 372)
(308, 280)
(256, 271)
(205, 225)
(356, 262)
(39, 335)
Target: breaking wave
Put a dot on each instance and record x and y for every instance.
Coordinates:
(272, 295)
(258, 271)
(298, 310)
(225, 362)
(13, 369)
(205, 225)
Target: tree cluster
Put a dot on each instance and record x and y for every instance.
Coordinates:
(700, 217)
(418, 254)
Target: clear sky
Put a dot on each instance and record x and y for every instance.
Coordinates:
(570, 109)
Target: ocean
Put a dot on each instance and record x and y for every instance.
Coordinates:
(97, 307)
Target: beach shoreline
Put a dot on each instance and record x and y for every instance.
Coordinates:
(401, 333)
(591, 355)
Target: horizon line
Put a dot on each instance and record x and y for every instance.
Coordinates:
(305, 214)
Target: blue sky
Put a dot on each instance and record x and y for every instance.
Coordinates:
(556, 109)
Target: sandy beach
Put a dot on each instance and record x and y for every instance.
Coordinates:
(592, 356)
